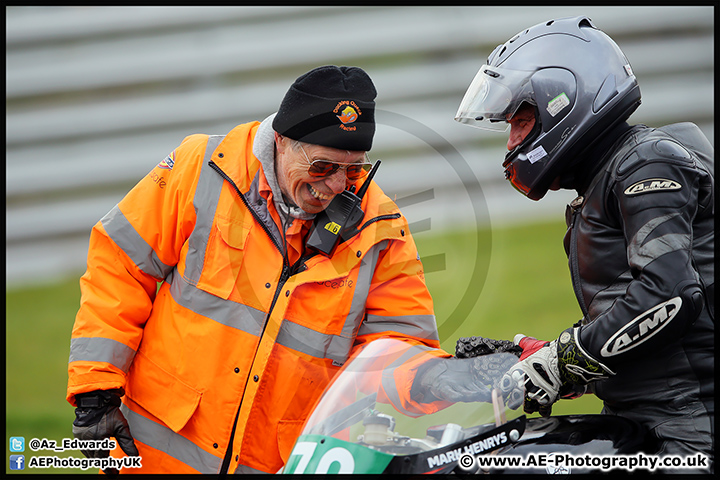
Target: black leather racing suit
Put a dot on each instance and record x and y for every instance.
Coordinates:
(640, 248)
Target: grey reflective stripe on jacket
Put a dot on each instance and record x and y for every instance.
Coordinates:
(98, 349)
(135, 247)
(244, 469)
(419, 326)
(335, 347)
(229, 313)
(175, 445)
(205, 201)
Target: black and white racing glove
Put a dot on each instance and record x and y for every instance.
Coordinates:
(557, 369)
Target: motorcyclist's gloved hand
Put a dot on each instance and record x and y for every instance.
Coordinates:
(557, 369)
(97, 417)
(467, 379)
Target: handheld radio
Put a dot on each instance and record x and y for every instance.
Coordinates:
(342, 214)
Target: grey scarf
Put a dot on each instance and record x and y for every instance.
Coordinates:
(264, 150)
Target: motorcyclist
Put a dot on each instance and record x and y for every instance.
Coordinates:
(640, 233)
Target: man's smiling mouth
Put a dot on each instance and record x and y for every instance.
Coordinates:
(318, 195)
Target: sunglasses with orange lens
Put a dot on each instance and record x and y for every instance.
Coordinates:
(325, 168)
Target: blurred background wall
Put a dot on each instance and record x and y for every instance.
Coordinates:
(97, 96)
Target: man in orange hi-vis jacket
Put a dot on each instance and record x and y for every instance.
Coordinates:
(204, 308)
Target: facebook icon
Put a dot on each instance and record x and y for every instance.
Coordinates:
(17, 462)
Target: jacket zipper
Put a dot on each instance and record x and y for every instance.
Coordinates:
(284, 276)
(576, 205)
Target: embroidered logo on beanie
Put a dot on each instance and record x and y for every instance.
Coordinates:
(349, 114)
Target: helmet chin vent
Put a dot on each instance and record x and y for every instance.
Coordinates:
(586, 22)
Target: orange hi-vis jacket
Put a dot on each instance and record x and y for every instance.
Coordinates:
(222, 347)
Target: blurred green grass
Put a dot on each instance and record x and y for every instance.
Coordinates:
(526, 290)
(38, 325)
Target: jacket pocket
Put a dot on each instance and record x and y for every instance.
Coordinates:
(287, 433)
(224, 256)
(161, 393)
(233, 233)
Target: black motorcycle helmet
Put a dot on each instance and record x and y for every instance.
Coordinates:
(579, 82)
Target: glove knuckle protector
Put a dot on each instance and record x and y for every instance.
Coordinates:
(512, 386)
(543, 380)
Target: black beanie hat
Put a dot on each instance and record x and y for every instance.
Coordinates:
(330, 106)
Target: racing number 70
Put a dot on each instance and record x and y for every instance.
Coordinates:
(305, 451)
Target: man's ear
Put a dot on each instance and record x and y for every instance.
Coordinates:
(281, 143)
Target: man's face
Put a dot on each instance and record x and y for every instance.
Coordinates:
(521, 124)
(312, 194)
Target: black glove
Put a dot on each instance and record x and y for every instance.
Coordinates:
(97, 417)
(465, 380)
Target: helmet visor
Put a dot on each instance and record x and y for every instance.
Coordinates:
(494, 96)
